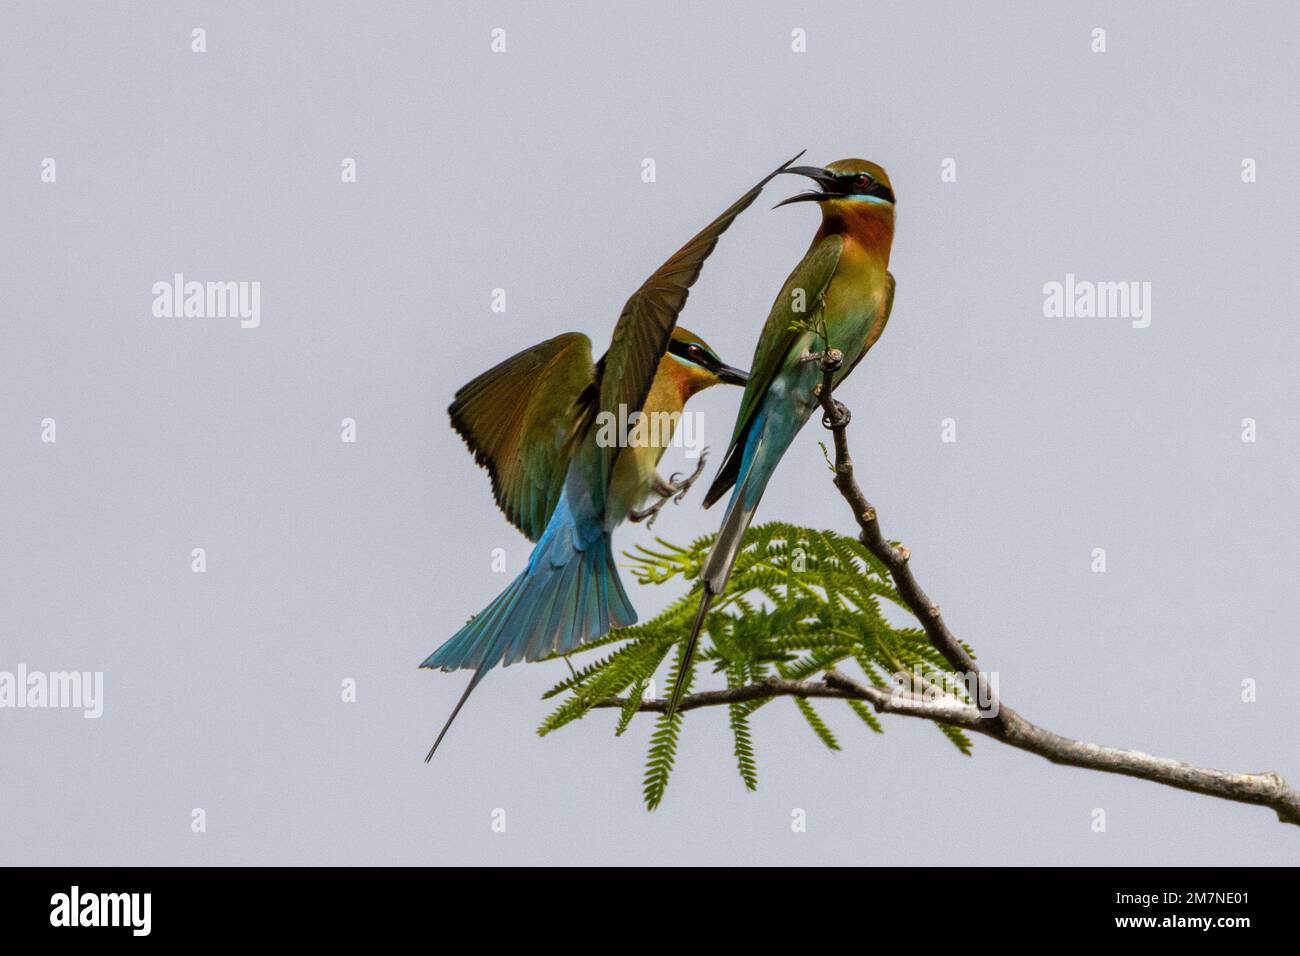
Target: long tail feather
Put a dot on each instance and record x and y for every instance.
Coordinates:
(478, 676)
(675, 700)
(726, 547)
(566, 596)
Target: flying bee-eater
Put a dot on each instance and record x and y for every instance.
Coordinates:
(540, 423)
(838, 297)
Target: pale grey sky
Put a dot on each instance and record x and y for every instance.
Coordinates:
(521, 170)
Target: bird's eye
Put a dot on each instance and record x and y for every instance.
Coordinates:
(695, 352)
(862, 180)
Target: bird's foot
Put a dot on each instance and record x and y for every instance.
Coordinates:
(681, 486)
(673, 489)
(648, 515)
(841, 418)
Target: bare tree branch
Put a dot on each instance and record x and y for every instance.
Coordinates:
(991, 718)
(1265, 789)
(895, 558)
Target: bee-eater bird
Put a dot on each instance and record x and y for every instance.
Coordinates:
(539, 423)
(838, 297)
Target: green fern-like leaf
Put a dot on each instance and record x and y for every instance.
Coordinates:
(816, 723)
(745, 762)
(799, 602)
(863, 710)
(630, 707)
(738, 716)
(958, 738)
(663, 743)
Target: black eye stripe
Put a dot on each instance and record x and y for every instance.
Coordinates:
(847, 184)
(682, 350)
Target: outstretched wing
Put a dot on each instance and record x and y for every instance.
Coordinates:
(646, 324)
(809, 279)
(522, 420)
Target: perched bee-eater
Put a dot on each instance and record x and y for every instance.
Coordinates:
(838, 297)
(538, 422)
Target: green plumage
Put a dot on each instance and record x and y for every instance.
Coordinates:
(645, 325)
(529, 421)
(780, 333)
(522, 419)
(526, 418)
(838, 297)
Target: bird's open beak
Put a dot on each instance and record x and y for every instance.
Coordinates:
(729, 375)
(818, 175)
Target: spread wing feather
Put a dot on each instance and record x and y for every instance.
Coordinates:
(523, 420)
(646, 323)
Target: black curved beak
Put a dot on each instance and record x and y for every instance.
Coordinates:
(818, 175)
(730, 375)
